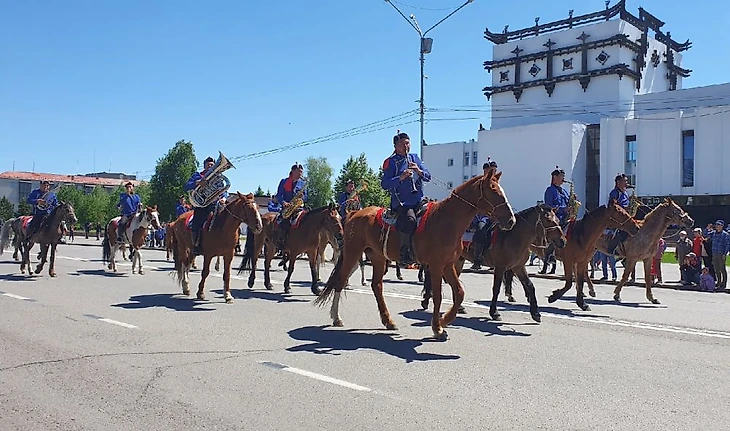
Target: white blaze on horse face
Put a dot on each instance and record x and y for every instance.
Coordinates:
(506, 201)
(259, 222)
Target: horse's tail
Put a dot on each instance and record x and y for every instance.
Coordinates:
(329, 288)
(178, 274)
(5, 235)
(249, 249)
(106, 247)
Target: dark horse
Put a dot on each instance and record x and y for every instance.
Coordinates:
(510, 251)
(303, 238)
(48, 236)
(437, 245)
(220, 240)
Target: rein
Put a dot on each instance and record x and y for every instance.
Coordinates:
(481, 197)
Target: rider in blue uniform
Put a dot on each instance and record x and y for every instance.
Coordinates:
(200, 214)
(481, 225)
(129, 204)
(273, 205)
(181, 207)
(622, 198)
(347, 203)
(37, 197)
(557, 197)
(403, 176)
(288, 188)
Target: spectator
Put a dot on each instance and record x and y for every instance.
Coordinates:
(720, 250)
(707, 283)
(656, 261)
(708, 249)
(684, 246)
(690, 270)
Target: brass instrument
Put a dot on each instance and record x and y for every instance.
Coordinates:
(363, 186)
(634, 203)
(573, 202)
(296, 203)
(44, 205)
(216, 184)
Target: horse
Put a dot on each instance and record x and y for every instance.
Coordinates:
(5, 240)
(582, 238)
(218, 239)
(436, 243)
(134, 237)
(509, 252)
(303, 237)
(49, 234)
(642, 246)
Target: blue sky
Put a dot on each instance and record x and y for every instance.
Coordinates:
(113, 85)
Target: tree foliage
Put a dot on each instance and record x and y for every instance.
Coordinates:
(171, 173)
(357, 170)
(6, 209)
(319, 181)
(24, 208)
(259, 192)
(100, 205)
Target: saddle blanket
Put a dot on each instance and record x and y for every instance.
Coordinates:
(387, 219)
(189, 221)
(295, 221)
(26, 221)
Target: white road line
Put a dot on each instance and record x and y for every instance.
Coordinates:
(113, 322)
(11, 295)
(315, 376)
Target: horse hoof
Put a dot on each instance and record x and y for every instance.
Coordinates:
(511, 299)
(287, 290)
(592, 293)
(269, 286)
(201, 297)
(141, 272)
(461, 310)
(400, 278)
(443, 336)
(536, 317)
(316, 291)
(424, 304)
(552, 298)
(655, 301)
(496, 317)
(229, 300)
(391, 326)
(338, 323)
(585, 307)
(52, 273)
(617, 298)
(186, 292)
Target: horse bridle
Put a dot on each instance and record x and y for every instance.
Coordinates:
(481, 197)
(247, 202)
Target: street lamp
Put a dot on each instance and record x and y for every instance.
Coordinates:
(426, 44)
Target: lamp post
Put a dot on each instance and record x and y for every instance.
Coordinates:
(426, 44)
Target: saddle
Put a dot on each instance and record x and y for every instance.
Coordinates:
(207, 224)
(294, 221)
(26, 222)
(386, 218)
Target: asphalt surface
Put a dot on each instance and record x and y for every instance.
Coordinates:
(90, 350)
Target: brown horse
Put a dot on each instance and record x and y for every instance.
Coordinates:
(134, 237)
(48, 235)
(582, 239)
(642, 246)
(218, 240)
(436, 243)
(303, 238)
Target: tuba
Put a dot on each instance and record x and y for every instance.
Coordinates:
(216, 184)
(44, 205)
(573, 202)
(634, 203)
(296, 203)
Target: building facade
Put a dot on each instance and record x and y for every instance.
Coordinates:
(597, 95)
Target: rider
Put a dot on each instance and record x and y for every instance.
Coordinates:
(346, 202)
(288, 188)
(39, 197)
(200, 214)
(181, 207)
(557, 197)
(404, 175)
(481, 224)
(129, 204)
(273, 205)
(622, 198)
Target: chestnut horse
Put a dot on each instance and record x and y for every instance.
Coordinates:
(220, 240)
(437, 244)
(48, 235)
(642, 246)
(303, 238)
(582, 239)
(134, 237)
(510, 252)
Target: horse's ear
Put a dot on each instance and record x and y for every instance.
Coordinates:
(497, 176)
(250, 196)
(239, 194)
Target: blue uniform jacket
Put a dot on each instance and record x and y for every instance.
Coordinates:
(558, 198)
(621, 197)
(478, 219)
(401, 191)
(287, 189)
(51, 201)
(128, 204)
(190, 185)
(273, 207)
(180, 209)
(342, 198)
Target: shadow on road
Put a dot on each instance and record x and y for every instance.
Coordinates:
(164, 300)
(265, 295)
(16, 277)
(595, 301)
(102, 272)
(333, 341)
(476, 323)
(512, 306)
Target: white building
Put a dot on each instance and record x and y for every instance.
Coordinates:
(597, 95)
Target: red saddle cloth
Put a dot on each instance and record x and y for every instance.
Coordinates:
(189, 221)
(389, 223)
(26, 221)
(295, 222)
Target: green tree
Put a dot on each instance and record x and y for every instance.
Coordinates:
(319, 181)
(171, 173)
(6, 209)
(357, 170)
(259, 192)
(24, 208)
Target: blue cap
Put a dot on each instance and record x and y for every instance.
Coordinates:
(720, 222)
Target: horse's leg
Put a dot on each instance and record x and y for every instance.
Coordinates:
(568, 268)
(218, 264)
(648, 280)
(269, 252)
(496, 285)
(315, 272)
(362, 272)
(457, 291)
(398, 274)
(138, 257)
(420, 273)
(227, 259)
(436, 280)
(43, 253)
(589, 281)
(427, 292)
(289, 271)
(628, 267)
(509, 277)
(52, 263)
(203, 275)
(581, 270)
(377, 286)
(338, 279)
(529, 288)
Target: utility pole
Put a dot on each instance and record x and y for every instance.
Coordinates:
(426, 44)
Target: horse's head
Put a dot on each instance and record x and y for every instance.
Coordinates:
(492, 200)
(551, 225)
(618, 218)
(152, 217)
(676, 214)
(67, 212)
(246, 209)
(333, 221)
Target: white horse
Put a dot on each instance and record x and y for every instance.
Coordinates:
(134, 237)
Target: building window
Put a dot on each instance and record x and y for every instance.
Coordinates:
(688, 158)
(450, 185)
(593, 165)
(630, 165)
(474, 158)
(466, 158)
(466, 178)
(24, 188)
(450, 162)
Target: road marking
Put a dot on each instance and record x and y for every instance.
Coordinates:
(14, 296)
(315, 376)
(113, 322)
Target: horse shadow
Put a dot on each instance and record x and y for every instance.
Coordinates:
(512, 306)
(16, 277)
(102, 272)
(267, 295)
(162, 300)
(591, 301)
(335, 341)
(476, 323)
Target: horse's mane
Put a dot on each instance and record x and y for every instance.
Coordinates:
(314, 211)
(579, 227)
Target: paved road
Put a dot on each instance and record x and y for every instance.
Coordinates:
(92, 350)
